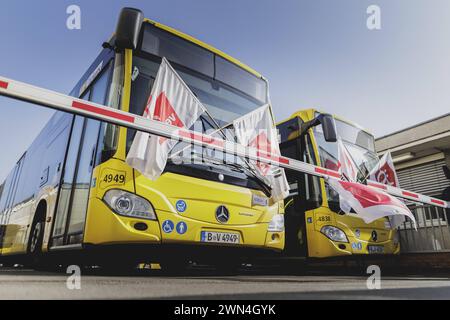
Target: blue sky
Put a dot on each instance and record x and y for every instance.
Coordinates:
(315, 53)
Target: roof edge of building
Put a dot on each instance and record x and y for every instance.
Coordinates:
(413, 126)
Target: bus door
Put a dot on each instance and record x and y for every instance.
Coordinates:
(79, 165)
(305, 192)
(10, 192)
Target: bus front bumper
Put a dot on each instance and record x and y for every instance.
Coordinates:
(104, 227)
(327, 248)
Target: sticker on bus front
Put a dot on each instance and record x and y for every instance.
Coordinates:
(181, 205)
(181, 227)
(167, 226)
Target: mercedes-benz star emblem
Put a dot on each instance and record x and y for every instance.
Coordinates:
(374, 235)
(222, 214)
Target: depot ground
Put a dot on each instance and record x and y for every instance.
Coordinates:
(21, 283)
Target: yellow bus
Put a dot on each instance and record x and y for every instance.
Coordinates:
(72, 193)
(315, 225)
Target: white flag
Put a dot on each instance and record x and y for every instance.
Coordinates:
(347, 166)
(348, 169)
(257, 130)
(369, 203)
(384, 172)
(171, 101)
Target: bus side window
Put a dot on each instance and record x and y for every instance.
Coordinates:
(140, 91)
(312, 184)
(4, 196)
(99, 89)
(88, 152)
(11, 200)
(67, 181)
(103, 93)
(304, 188)
(2, 187)
(1, 192)
(288, 131)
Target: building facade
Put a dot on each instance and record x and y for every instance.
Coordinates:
(421, 156)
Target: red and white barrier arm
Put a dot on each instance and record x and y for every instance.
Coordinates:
(47, 98)
(409, 195)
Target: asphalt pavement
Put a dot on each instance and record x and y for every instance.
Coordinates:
(21, 283)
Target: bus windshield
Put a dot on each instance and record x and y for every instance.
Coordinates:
(360, 145)
(227, 92)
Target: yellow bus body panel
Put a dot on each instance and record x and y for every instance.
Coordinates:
(202, 197)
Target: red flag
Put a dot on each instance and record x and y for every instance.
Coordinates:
(171, 101)
(384, 172)
(347, 166)
(369, 204)
(261, 142)
(257, 130)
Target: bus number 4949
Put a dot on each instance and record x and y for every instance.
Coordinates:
(117, 178)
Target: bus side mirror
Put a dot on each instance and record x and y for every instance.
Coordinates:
(128, 28)
(328, 128)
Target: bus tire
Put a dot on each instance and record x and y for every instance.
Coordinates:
(36, 237)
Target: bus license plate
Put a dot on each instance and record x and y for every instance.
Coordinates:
(375, 249)
(219, 237)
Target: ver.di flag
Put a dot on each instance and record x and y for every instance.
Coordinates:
(171, 101)
(347, 166)
(257, 130)
(370, 204)
(384, 172)
(348, 169)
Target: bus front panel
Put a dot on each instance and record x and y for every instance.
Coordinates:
(322, 228)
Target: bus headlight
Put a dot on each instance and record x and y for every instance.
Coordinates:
(128, 204)
(276, 224)
(334, 233)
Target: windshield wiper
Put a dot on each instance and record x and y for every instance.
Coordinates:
(208, 161)
(253, 176)
(248, 166)
(243, 169)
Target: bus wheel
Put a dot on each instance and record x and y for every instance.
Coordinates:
(35, 243)
(36, 238)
